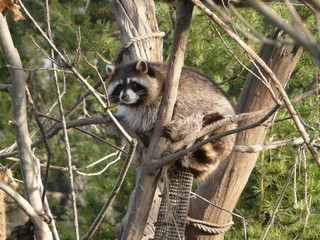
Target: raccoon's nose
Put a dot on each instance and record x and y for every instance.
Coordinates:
(124, 97)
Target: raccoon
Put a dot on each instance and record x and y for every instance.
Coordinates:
(138, 89)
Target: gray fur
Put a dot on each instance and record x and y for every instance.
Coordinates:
(199, 102)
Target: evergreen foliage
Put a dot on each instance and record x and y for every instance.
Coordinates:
(206, 53)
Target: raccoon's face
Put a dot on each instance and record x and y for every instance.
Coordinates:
(131, 84)
(127, 91)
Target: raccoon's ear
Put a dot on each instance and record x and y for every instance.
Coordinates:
(110, 70)
(142, 66)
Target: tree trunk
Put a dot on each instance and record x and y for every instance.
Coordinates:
(29, 167)
(138, 18)
(227, 184)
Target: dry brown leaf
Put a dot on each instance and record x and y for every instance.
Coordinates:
(15, 12)
(6, 5)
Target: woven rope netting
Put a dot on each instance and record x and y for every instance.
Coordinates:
(172, 216)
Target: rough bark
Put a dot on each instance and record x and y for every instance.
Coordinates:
(137, 18)
(19, 118)
(226, 186)
(146, 182)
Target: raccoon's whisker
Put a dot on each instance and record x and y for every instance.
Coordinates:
(141, 91)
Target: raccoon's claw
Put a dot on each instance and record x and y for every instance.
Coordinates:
(171, 134)
(106, 116)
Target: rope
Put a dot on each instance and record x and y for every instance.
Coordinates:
(210, 227)
(133, 40)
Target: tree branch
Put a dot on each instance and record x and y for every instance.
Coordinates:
(167, 160)
(268, 71)
(146, 184)
(24, 204)
(269, 146)
(308, 43)
(19, 118)
(5, 88)
(113, 193)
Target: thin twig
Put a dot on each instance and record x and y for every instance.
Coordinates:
(258, 39)
(113, 193)
(215, 205)
(167, 160)
(5, 88)
(297, 21)
(24, 204)
(315, 12)
(65, 169)
(69, 161)
(79, 77)
(268, 71)
(53, 60)
(270, 222)
(295, 198)
(52, 45)
(45, 141)
(309, 44)
(55, 231)
(101, 80)
(101, 171)
(264, 81)
(101, 120)
(269, 146)
(86, 132)
(78, 51)
(262, 78)
(35, 69)
(305, 180)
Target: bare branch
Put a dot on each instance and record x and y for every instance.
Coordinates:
(78, 51)
(315, 11)
(167, 160)
(101, 80)
(308, 43)
(262, 78)
(269, 72)
(77, 74)
(297, 21)
(5, 88)
(269, 146)
(146, 184)
(97, 162)
(28, 164)
(26, 207)
(35, 69)
(55, 61)
(52, 45)
(43, 134)
(68, 155)
(215, 205)
(270, 222)
(113, 193)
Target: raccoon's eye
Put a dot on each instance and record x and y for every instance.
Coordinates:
(118, 88)
(134, 86)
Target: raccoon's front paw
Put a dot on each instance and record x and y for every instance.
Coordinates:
(144, 139)
(171, 133)
(105, 115)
